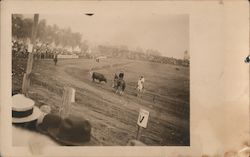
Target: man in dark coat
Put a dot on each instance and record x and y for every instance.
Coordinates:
(55, 59)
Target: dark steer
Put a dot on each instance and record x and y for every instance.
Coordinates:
(99, 77)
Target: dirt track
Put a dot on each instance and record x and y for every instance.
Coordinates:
(114, 117)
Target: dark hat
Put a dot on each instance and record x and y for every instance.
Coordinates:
(121, 75)
(68, 131)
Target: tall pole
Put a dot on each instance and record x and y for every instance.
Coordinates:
(138, 133)
(34, 30)
(26, 77)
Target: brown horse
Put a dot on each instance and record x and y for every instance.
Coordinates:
(119, 84)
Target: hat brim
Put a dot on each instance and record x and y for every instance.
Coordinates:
(93, 141)
(51, 129)
(36, 113)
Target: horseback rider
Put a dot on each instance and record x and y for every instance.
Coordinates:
(119, 83)
(121, 75)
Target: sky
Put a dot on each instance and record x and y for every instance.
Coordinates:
(167, 33)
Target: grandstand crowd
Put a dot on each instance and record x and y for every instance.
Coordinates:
(20, 49)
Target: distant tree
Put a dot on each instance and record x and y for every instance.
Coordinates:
(21, 28)
(186, 55)
(49, 35)
(124, 48)
(63, 37)
(27, 27)
(102, 49)
(56, 34)
(41, 30)
(139, 50)
(84, 46)
(17, 25)
(153, 52)
(75, 39)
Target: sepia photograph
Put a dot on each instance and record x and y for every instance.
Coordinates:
(89, 79)
(124, 78)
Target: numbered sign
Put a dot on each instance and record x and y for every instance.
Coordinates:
(143, 118)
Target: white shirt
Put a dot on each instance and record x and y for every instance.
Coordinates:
(142, 80)
(140, 83)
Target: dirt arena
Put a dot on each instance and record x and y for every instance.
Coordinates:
(114, 117)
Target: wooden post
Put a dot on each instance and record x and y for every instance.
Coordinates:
(26, 77)
(138, 135)
(34, 30)
(68, 94)
(73, 95)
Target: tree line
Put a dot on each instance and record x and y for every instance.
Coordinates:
(22, 29)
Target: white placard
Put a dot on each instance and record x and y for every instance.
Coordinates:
(143, 118)
(30, 47)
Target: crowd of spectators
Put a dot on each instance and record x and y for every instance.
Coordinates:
(45, 51)
(155, 58)
(20, 49)
(169, 60)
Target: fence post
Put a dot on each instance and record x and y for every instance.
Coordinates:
(26, 77)
(68, 94)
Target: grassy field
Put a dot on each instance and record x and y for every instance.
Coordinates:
(114, 117)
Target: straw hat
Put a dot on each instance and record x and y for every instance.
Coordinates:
(71, 131)
(24, 109)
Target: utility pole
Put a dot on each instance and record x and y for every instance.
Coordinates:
(26, 77)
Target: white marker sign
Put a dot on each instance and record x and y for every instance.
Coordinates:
(143, 118)
(30, 47)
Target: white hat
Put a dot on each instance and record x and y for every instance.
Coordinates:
(24, 109)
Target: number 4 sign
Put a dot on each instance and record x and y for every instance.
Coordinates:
(143, 118)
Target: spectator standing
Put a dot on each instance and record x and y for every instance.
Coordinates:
(55, 59)
(140, 86)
